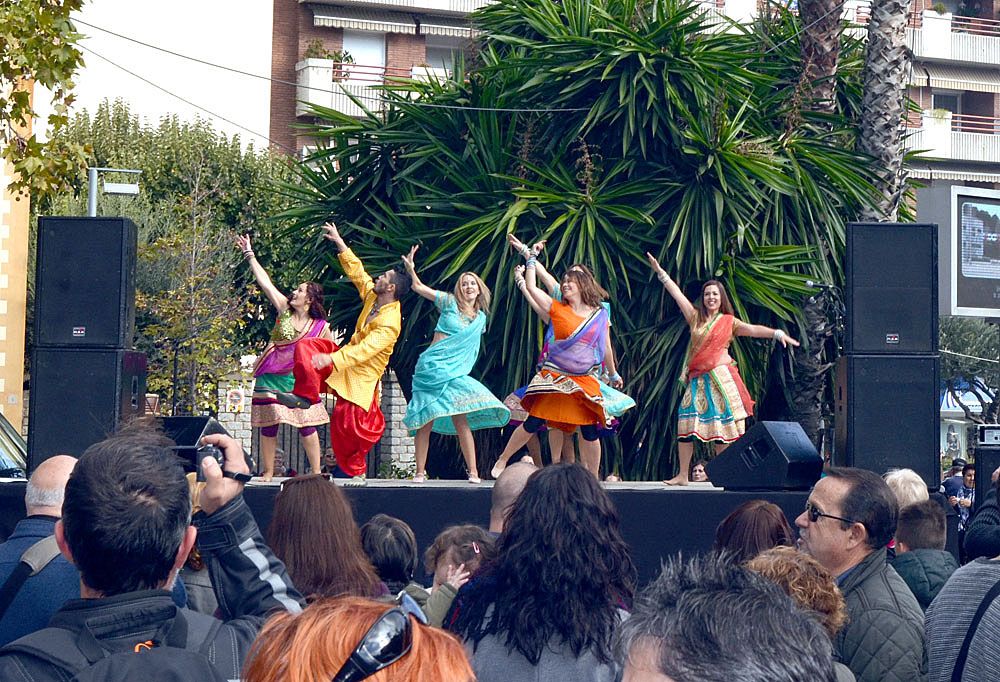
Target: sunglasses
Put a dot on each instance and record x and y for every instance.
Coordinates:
(814, 514)
(387, 641)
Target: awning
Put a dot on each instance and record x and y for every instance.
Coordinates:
(945, 174)
(952, 77)
(951, 408)
(329, 16)
(443, 26)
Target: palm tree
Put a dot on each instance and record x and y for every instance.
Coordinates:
(610, 128)
(884, 104)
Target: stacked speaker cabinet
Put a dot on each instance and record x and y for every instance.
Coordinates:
(85, 379)
(887, 391)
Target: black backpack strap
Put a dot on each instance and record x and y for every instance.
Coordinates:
(34, 559)
(963, 653)
(57, 646)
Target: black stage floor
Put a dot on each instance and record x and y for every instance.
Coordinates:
(656, 521)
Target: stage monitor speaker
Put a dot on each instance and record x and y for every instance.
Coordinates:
(886, 414)
(771, 455)
(187, 433)
(85, 282)
(987, 461)
(892, 288)
(80, 396)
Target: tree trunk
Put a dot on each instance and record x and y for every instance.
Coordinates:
(820, 50)
(883, 106)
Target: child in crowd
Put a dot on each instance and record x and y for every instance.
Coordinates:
(456, 554)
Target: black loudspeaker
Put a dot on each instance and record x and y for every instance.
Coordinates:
(187, 433)
(85, 282)
(987, 461)
(892, 288)
(80, 396)
(771, 455)
(886, 414)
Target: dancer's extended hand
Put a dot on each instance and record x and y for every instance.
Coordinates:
(653, 263)
(538, 247)
(457, 576)
(787, 341)
(330, 231)
(322, 360)
(617, 382)
(408, 259)
(243, 242)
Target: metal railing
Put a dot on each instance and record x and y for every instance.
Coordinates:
(975, 25)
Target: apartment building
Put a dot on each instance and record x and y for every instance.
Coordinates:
(385, 39)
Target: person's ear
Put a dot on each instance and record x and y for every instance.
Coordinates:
(60, 533)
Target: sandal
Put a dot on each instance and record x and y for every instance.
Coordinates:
(419, 478)
(475, 480)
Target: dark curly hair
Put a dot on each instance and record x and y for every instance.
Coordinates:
(562, 571)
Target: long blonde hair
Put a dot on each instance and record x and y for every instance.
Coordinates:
(482, 300)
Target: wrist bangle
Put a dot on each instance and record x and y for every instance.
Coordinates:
(531, 262)
(247, 255)
(615, 376)
(520, 283)
(524, 251)
(778, 335)
(663, 277)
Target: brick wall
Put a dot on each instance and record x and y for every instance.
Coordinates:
(397, 445)
(404, 51)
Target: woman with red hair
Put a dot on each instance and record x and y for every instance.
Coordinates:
(325, 642)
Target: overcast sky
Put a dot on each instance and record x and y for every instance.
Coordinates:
(234, 33)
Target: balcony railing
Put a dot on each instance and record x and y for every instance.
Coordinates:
(330, 84)
(958, 137)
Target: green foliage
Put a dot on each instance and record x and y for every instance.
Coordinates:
(195, 298)
(656, 132)
(38, 43)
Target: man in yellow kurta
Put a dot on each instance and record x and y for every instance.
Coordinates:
(353, 372)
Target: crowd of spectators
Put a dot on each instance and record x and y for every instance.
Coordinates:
(858, 587)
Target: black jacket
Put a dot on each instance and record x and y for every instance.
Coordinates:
(925, 571)
(249, 582)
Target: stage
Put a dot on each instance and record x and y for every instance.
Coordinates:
(656, 521)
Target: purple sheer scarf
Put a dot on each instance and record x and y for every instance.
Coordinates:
(582, 352)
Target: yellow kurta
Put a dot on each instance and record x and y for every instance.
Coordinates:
(358, 366)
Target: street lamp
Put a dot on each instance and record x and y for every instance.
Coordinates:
(125, 188)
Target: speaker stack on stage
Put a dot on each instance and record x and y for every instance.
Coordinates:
(887, 387)
(85, 379)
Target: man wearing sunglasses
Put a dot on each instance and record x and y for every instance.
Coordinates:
(849, 519)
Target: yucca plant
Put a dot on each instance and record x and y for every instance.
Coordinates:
(609, 128)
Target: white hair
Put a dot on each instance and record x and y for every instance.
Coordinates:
(42, 497)
(907, 486)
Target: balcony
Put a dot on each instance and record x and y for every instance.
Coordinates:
(330, 84)
(451, 7)
(956, 137)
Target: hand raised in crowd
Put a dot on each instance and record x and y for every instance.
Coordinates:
(457, 576)
(243, 243)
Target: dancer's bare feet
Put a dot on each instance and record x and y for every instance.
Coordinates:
(266, 476)
(677, 480)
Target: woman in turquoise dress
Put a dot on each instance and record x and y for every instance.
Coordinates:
(445, 398)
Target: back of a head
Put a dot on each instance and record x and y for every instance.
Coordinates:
(126, 510)
(315, 644)
(508, 487)
(751, 528)
(806, 581)
(465, 544)
(314, 533)
(922, 526)
(907, 486)
(708, 620)
(47, 486)
(532, 598)
(392, 548)
(869, 501)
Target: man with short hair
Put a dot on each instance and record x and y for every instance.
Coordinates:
(126, 526)
(505, 491)
(42, 594)
(952, 480)
(920, 558)
(849, 519)
(706, 619)
(353, 372)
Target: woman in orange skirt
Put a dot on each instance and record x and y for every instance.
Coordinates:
(565, 393)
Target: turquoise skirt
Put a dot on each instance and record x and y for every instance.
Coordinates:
(461, 396)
